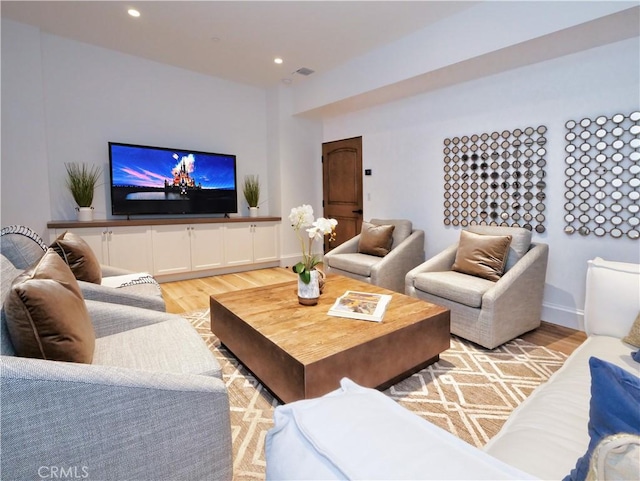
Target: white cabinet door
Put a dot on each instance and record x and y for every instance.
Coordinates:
(130, 248)
(207, 246)
(95, 237)
(265, 242)
(171, 249)
(238, 244)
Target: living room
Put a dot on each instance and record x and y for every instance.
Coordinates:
(495, 66)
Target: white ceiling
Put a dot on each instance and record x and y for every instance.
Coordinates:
(236, 40)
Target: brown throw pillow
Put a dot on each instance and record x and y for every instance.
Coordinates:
(79, 257)
(633, 337)
(46, 315)
(375, 240)
(482, 255)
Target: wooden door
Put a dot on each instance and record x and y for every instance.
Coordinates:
(342, 187)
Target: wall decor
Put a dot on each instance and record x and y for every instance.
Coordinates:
(603, 176)
(496, 178)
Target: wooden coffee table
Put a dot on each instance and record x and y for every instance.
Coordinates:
(300, 352)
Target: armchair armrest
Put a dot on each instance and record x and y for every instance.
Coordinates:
(96, 292)
(111, 318)
(443, 261)
(108, 271)
(112, 423)
(526, 277)
(390, 272)
(348, 247)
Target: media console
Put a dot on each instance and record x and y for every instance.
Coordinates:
(180, 248)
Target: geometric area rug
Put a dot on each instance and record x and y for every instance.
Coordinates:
(469, 392)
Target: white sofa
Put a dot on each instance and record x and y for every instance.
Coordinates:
(358, 433)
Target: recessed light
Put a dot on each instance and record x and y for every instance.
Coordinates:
(278, 60)
(133, 12)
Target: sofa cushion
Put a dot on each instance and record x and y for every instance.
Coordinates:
(615, 397)
(169, 346)
(520, 240)
(355, 263)
(482, 255)
(633, 337)
(46, 315)
(454, 286)
(79, 257)
(403, 229)
(375, 239)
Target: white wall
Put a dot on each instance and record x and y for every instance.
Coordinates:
(403, 142)
(24, 170)
(91, 96)
(297, 145)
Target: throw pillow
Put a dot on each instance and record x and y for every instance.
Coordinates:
(482, 255)
(46, 315)
(375, 240)
(79, 257)
(633, 337)
(615, 397)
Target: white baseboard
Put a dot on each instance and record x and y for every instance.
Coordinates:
(563, 316)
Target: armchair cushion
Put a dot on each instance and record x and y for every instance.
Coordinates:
(402, 229)
(356, 263)
(520, 240)
(455, 286)
(482, 255)
(46, 315)
(79, 257)
(375, 239)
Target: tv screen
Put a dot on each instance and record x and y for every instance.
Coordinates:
(160, 180)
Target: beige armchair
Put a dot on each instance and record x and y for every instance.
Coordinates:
(486, 312)
(388, 271)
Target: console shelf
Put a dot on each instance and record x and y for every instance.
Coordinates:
(180, 248)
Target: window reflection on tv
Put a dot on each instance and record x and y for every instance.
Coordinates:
(160, 180)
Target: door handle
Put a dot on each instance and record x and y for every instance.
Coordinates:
(359, 211)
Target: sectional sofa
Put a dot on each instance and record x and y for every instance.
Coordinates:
(358, 433)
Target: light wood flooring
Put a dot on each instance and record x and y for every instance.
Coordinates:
(193, 294)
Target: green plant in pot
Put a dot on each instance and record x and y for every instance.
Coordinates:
(251, 190)
(82, 180)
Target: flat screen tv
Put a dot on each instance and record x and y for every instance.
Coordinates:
(158, 180)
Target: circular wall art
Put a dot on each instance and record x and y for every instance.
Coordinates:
(603, 172)
(503, 172)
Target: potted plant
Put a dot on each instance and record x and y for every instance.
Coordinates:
(251, 190)
(82, 180)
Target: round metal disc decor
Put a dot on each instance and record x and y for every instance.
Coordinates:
(508, 165)
(606, 181)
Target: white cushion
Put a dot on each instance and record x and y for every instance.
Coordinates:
(612, 298)
(359, 433)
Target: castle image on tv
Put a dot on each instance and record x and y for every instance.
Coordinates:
(157, 180)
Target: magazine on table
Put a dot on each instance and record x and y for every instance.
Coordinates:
(361, 305)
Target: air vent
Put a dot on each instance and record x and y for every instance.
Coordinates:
(305, 71)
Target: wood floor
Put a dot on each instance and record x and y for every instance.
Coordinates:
(193, 294)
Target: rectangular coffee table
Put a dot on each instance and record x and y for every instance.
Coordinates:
(300, 352)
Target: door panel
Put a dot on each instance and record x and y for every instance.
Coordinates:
(342, 187)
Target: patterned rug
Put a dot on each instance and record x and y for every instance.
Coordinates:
(469, 392)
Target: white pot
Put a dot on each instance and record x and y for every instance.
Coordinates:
(85, 214)
(253, 212)
(308, 294)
